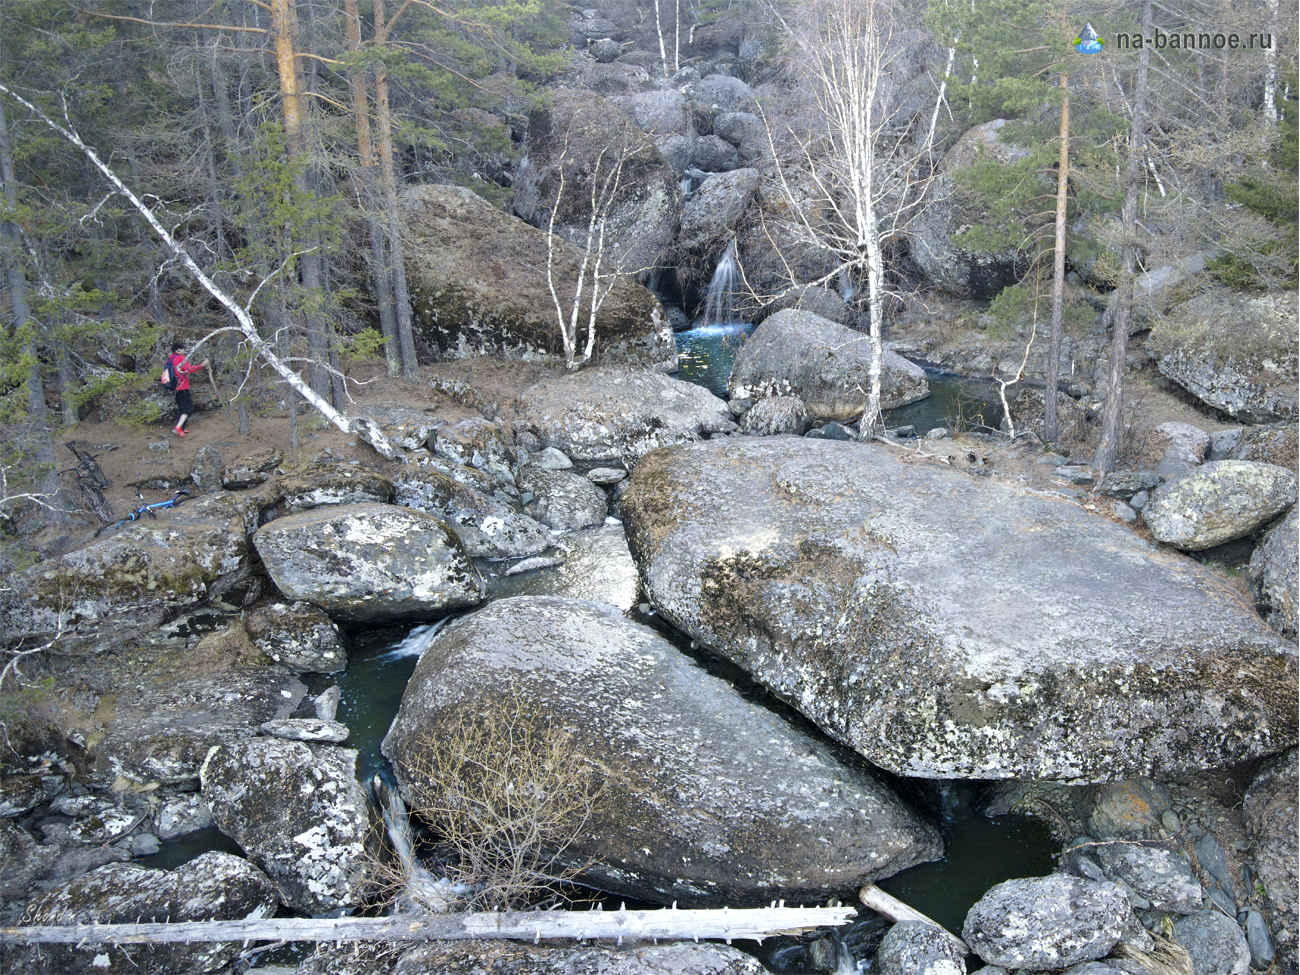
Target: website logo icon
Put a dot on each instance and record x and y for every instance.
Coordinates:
(1088, 42)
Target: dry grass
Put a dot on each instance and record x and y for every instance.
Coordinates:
(501, 787)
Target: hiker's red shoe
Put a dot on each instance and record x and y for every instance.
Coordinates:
(179, 432)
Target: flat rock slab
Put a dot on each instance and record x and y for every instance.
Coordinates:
(953, 627)
(609, 415)
(707, 796)
(369, 562)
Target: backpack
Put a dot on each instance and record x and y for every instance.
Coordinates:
(169, 378)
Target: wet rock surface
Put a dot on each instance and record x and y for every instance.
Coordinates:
(605, 415)
(1218, 502)
(299, 813)
(824, 364)
(838, 575)
(1046, 923)
(706, 795)
(369, 562)
(214, 886)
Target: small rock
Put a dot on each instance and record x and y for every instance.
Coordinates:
(160, 447)
(1210, 855)
(1129, 809)
(533, 564)
(1223, 899)
(562, 499)
(917, 948)
(605, 50)
(209, 466)
(1186, 449)
(1258, 940)
(1124, 513)
(298, 635)
(181, 815)
(1125, 484)
(774, 415)
(832, 431)
(1154, 873)
(326, 702)
(936, 433)
(1224, 442)
(1170, 821)
(906, 432)
(143, 844)
(605, 475)
(1075, 474)
(1139, 500)
(306, 729)
(550, 458)
(1216, 944)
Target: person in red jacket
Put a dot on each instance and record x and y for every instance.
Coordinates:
(182, 369)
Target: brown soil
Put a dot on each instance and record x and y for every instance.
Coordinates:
(133, 456)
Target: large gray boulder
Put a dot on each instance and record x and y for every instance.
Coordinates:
(800, 354)
(950, 267)
(1270, 813)
(706, 795)
(504, 958)
(211, 887)
(579, 138)
(299, 813)
(713, 210)
(1273, 574)
(325, 484)
(562, 499)
(369, 562)
(160, 733)
(952, 627)
(722, 93)
(146, 572)
(487, 526)
(478, 286)
(604, 415)
(746, 132)
(1235, 352)
(1046, 923)
(1217, 502)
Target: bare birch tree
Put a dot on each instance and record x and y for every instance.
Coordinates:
(596, 275)
(868, 178)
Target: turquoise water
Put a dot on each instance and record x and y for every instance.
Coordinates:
(705, 354)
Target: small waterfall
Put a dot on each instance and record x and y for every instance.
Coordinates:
(421, 890)
(720, 304)
(417, 641)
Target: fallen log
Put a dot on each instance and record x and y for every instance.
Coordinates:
(669, 924)
(895, 910)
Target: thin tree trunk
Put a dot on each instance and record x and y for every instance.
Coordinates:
(387, 172)
(1108, 447)
(1270, 66)
(366, 153)
(284, 30)
(16, 279)
(1051, 428)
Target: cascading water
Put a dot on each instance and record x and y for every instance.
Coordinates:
(720, 303)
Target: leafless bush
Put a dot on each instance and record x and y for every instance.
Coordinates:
(502, 788)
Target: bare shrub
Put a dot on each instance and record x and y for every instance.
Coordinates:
(500, 785)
